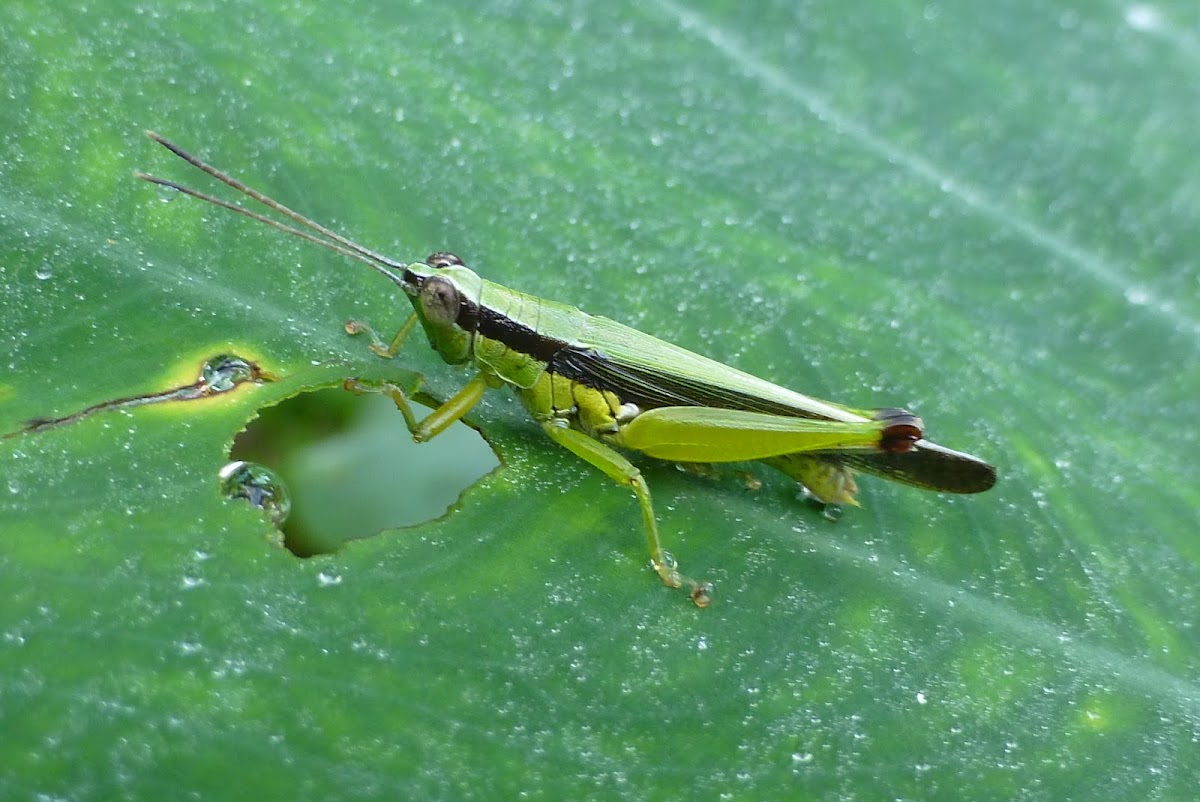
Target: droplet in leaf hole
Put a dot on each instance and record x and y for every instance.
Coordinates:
(222, 373)
(353, 469)
(259, 485)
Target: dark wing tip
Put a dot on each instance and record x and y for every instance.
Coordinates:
(929, 466)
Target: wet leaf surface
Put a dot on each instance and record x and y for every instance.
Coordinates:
(985, 214)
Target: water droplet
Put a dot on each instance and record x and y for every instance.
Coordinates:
(223, 373)
(832, 512)
(167, 194)
(1143, 17)
(259, 485)
(1138, 296)
(328, 580)
(44, 271)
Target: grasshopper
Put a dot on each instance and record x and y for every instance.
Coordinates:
(597, 387)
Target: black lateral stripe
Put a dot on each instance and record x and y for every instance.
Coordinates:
(468, 316)
(495, 326)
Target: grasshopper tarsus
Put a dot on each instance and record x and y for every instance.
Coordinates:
(702, 594)
(667, 572)
(667, 569)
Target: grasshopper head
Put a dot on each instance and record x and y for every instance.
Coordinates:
(445, 294)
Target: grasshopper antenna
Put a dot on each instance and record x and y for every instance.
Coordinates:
(328, 238)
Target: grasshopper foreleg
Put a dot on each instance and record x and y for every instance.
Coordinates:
(385, 351)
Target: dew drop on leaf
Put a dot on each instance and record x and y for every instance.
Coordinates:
(222, 373)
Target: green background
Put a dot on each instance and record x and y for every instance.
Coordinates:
(984, 212)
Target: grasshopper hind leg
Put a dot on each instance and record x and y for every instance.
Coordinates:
(622, 471)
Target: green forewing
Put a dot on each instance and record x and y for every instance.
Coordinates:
(645, 356)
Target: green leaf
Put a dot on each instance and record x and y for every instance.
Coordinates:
(981, 212)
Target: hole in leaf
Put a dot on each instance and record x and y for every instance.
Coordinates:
(353, 470)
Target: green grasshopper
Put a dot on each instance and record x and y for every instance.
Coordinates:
(596, 386)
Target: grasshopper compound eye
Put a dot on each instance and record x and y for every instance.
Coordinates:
(443, 259)
(439, 300)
